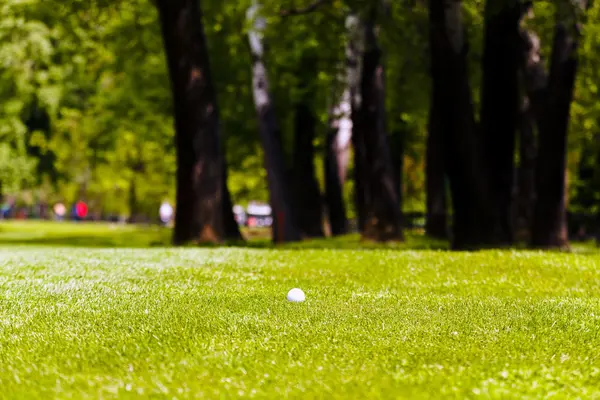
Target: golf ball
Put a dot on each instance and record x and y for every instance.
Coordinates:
(296, 295)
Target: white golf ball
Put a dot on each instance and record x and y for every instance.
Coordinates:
(296, 295)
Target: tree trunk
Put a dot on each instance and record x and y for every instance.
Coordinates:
(525, 184)
(534, 82)
(308, 194)
(200, 189)
(549, 223)
(231, 227)
(472, 201)
(337, 156)
(500, 110)
(436, 224)
(354, 55)
(397, 156)
(339, 137)
(284, 222)
(361, 181)
(307, 197)
(383, 217)
(334, 193)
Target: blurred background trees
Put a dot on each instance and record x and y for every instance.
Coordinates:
(460, 110)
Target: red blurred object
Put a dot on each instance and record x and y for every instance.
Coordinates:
(81, 209)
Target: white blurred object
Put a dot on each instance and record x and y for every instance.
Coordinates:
(296, 295)
(166, 212)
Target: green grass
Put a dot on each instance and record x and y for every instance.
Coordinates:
(83, 234)
(83, 322)
(102, 235)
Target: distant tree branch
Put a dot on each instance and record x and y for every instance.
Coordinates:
(305, 10)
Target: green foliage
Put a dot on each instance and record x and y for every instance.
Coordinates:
(97, 70)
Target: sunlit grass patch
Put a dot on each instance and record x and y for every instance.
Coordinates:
(192, 323)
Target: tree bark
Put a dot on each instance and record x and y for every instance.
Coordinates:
(307, 197)
(550, 223)
(337, 157)
(284, 221)
(396, 140)
(354, 60)
(525, 183)
(436, 224)
(200, 189)
(500, 110)
(383, 216)
(361, 181)
(231, 227)
(463, 156)
(534, 82)
(339, 137)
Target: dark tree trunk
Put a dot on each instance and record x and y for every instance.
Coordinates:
(436, 224)
(231, 227)
(284, 222)
(200, 190)
(354, 56)
(308, 195)
(361, 181)
(339, 137)
(337, 157)
(307, 199)
(525, 184)
(472, 201)
(534, 82)
(383, 217)
(397, 156)
(500, 110)
(549, 222)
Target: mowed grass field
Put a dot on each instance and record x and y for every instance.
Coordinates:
(99, 319)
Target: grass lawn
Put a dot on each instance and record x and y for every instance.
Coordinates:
(83, 321)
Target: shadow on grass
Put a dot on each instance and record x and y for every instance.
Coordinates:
(105, 242)
(80, 241)
(103, 236)
(98, 235)
(347, 242)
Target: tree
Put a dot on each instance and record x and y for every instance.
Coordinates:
(24, 46)
(308, 203)
(339, 135)
(284, 221)
(453, 106)
(549, 222)
(500, 105)
(337, 157)
(481, 168)
(533, 82)
(383, 215)
(200, 182)
(436, 224)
